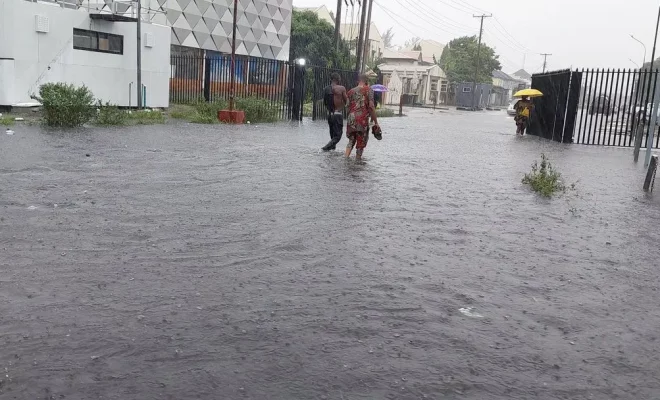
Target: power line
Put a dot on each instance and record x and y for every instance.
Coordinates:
(435, 20)
(470, 6)
(397, 18)
(513, 38)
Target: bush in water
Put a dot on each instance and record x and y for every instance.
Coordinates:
(544, 179)
(65, 105)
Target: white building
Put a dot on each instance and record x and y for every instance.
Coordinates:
(43, 42)
(430, 49)
(37, 43)
(407, 74)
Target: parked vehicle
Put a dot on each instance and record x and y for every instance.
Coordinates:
(510, 110)
(645, 112)
(601, 105)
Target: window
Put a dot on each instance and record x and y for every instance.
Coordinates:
(443, 87)
(467, 89)
(434, 86)
(98, 41)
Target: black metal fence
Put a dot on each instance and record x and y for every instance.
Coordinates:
(594, 106)
(612, 104)
(286, 85)
(207, 78)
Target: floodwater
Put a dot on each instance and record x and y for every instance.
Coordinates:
(214, 262)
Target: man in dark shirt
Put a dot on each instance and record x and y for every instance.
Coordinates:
(335, 100)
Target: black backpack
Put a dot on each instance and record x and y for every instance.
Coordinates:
(328, 99)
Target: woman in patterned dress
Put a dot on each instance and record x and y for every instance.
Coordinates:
(360, 108)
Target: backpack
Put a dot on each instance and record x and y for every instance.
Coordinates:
(328, 99)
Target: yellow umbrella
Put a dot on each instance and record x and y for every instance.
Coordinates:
(528, 93)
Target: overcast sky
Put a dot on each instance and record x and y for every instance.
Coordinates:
(578, 33)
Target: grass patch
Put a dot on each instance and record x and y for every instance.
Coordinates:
(6, 120)
(145, 117)
(109, 115)
(544, 179)
(385, 113)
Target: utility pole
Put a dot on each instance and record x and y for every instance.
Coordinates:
(545, 60)
(367, 42)
(337, 24)
(139, 56)
(232, 90)
(476, 71)
(359, 48)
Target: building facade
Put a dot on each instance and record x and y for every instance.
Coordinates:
(407, 74)
(263, 26)
(103, 53)
(43, 42)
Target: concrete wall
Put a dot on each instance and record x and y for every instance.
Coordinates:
(29, 58)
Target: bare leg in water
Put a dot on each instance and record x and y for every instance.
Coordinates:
(349, 147)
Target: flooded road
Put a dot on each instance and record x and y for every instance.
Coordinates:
(211, 262)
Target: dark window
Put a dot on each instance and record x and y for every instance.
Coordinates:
(467, 89)
(98, 41)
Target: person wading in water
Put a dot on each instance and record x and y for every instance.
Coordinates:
(360, 109)
(335, 100)
(523, 109)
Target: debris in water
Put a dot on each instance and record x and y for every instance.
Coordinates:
(140, 317)
(469, 312)
(9, 132)
(32, 208)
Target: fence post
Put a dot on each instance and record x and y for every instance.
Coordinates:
(207, 79)
(650, 174)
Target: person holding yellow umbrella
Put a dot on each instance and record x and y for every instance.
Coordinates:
(524, 108)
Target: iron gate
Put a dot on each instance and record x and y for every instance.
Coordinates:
(594, 106)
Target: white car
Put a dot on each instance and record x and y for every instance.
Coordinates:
(510, 110)
(647, 110)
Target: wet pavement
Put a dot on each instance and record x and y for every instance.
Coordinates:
(209, 262)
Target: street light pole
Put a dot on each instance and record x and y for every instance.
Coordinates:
(139, 56)
(656, 98)
(643, 45)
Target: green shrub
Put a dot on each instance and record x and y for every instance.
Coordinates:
(110, 114)
(65, 105)
(6, 120)
(384, 113)
(146, 117)
(544, 179)
(207, 113)
(257, 109)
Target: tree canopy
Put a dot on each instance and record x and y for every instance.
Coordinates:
(313, 39)
(388, 38)
(459, 58)
(413, 43)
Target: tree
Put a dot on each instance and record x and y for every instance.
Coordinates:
(413, 43)
(388, 38)
(313, 39)
(459, 58)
